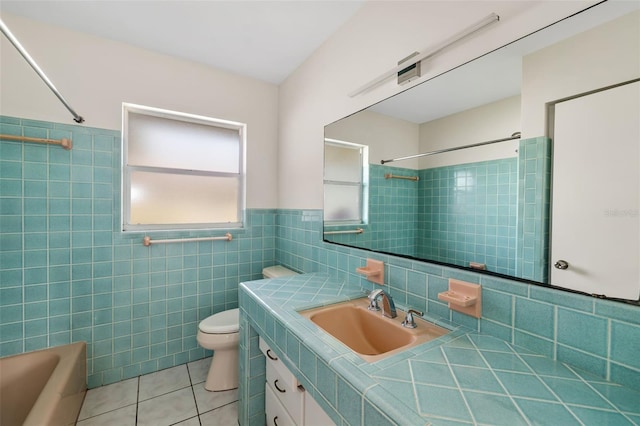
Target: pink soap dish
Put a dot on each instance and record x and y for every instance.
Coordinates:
(374, 271)
(463, 297)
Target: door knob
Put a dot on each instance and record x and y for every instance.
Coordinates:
(561, 264)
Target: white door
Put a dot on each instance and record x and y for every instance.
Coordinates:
(596, 186)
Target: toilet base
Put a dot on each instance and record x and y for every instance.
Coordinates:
(223, 373)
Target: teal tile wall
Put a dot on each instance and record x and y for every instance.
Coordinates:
(454, 214)
(534, 189)
(393, 214)
(251, 364)
(469, 214)
(464, 213)
(393, 210)
(600, 336)
(68, 274)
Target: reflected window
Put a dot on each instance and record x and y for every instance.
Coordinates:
(181, 171)
(346, 181)
(464, 181)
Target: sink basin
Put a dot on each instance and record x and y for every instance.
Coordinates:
(368, 333)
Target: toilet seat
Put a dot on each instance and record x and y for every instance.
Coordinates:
(221, 323)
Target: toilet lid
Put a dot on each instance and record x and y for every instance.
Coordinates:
(222, 322)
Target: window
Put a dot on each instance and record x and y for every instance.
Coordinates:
(346, 179)
(181, 171)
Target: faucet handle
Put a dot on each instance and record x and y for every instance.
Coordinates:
(408, 321)
(373, 304)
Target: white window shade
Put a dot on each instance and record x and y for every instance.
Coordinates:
(342, 164)
(181, 171)
(341, 203)
(345, 182)
(158, 142)
(161, 198)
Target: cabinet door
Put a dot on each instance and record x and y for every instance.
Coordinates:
(314, 415)
(596, 187)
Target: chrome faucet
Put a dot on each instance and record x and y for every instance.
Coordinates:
(409, 322)
(388, 307)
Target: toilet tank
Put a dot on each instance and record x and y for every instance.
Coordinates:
(277, 271)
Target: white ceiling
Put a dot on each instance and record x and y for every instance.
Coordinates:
(269, 39)
(263, 39)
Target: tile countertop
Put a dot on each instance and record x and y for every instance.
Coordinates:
(460, 378)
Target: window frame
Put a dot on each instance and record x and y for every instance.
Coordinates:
(126, 170)
(363, 201)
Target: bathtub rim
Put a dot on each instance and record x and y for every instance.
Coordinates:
(62, 396)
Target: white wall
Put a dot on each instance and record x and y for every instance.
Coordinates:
(371, 43)
(597, 58)
(387, 137)
(96, 75)
(496, 120)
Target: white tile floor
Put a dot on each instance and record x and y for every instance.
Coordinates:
(175, 396)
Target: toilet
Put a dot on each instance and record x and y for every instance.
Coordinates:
(220, 333)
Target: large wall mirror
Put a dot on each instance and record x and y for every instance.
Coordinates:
(400, 177)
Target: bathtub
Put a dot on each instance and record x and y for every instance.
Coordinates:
(45, 387)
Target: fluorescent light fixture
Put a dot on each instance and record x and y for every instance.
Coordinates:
(490, 19)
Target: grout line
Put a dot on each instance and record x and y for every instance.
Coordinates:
(106, 412)
(196, 402)
(137, 399)
(165, 393)
(544, 383)
(181, 421)
(495, 376)
(459, 389)
(586, 382)
(608, 360)
(217, 408)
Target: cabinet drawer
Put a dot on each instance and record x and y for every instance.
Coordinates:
(291, 397)
(275, 412)
(274, 361)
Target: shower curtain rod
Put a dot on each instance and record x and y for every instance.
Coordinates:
(5, 30)
(512, 137)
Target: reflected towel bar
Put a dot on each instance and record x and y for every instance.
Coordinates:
(512, 137)
(64, 142)
(351, 231)
(390, 176)
(147, 241)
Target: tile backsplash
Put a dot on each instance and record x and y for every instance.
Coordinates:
(67, 273)
(596, 335)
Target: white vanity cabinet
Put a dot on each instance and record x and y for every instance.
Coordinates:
(276, 414)
(314, 415)
(286, 402)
